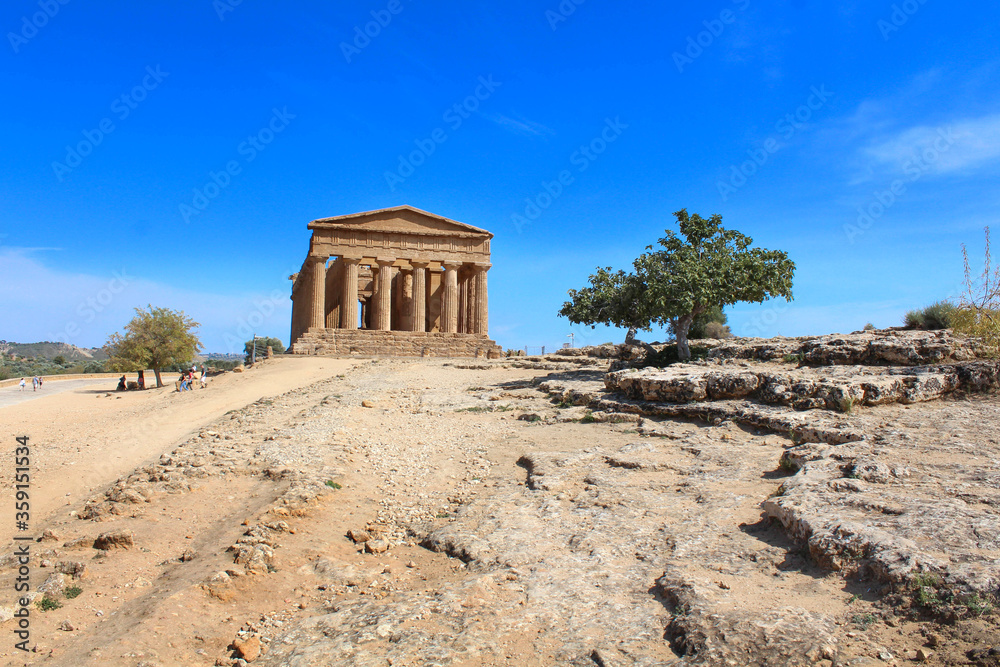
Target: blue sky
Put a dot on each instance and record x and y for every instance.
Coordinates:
(861, 137)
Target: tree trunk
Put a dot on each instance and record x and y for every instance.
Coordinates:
(630, 336)
(159, 382)
(681, 331)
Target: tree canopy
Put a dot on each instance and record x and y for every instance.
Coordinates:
(156, 338)
(263, 343)
(703, 267)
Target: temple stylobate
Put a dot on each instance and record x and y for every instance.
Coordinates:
(395, 282)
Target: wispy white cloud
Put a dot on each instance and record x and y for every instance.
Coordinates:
(520, 125)
(960, 145)
(38, 302)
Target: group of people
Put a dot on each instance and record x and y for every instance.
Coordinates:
(188, 377)
(36, 383)
(123, 385)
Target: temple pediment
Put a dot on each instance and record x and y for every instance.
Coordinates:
(399, 220)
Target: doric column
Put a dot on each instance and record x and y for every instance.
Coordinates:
(317, 309)
(349, 294)
(295, 320)
(382, 319)
(482, 315)
(449, 310)
(463, 301)
(333, 295)
(418, 312)
(472, 323)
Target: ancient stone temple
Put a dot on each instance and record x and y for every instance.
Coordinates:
(394, 282)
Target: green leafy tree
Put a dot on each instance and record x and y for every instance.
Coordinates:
(614, 298)
(157, 338)
(262, 344)
(59, 360)
(704, 267)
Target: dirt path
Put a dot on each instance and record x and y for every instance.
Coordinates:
(85, 437)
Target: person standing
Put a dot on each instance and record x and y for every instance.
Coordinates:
(34, 383)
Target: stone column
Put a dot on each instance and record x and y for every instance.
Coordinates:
(332, 295)
(473, 312)
(295, 321)
(349, 294)
(402, 308)
(418, 312)
(317, 310)
(482, 301)
(382, 317)
(449, 310)
(463, 302)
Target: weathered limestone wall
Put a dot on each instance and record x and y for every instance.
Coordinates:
(370, 343)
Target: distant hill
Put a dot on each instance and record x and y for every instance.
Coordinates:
(50, 350)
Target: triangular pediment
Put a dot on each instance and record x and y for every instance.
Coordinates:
(399, 220)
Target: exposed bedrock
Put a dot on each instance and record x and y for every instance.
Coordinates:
(804, 388)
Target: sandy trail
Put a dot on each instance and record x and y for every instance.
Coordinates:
(82, 439)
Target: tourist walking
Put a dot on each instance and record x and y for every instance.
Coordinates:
(22, 384)
(34, 383)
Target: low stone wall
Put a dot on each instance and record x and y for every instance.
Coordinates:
(368, 343)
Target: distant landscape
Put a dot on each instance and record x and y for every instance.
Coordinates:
(53, 358)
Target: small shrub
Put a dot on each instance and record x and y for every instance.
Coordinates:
(977, 606)
(333, 485)
(793, 358)
(48, 604)
(717, 330)
(935, 316)
(588, 418)
(787, 465)
(924, 586)
(72, 591)
(442, 515)
(869, 327)
(847, 405)
(863, 621)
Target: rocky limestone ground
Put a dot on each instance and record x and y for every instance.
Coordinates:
(521, 513)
